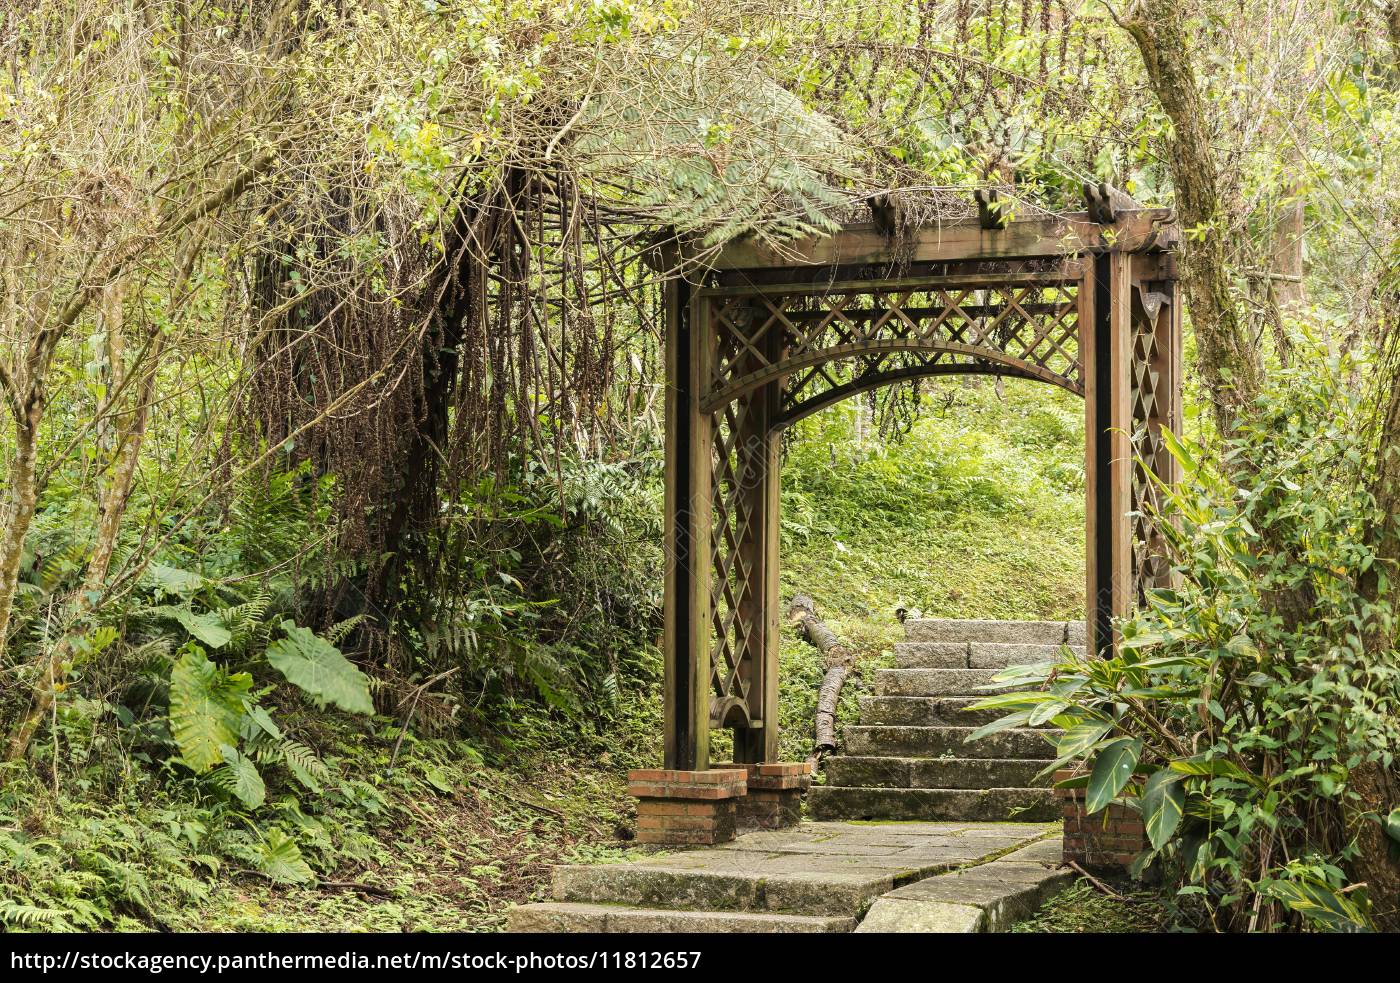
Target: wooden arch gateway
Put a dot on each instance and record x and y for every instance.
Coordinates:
(763, 337)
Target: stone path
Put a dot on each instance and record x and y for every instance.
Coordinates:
(816, 877)
(908, 758)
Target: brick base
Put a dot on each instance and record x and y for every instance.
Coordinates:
(686, 808)
(1107, 840)
(774, 798)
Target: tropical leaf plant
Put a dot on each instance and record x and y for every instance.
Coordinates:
(1163, 804)
(206, 707)
(279, 858)
(1242, 726)
(320, 670)
(1113, 767)
(239, 776)
(206, 627)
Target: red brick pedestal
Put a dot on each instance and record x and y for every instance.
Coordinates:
(775, 794)
(686, 808)
(1107, 840)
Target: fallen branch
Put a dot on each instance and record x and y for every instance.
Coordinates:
(1099, 885)
(838, 659)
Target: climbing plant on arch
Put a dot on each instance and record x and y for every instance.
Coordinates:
(761, 336)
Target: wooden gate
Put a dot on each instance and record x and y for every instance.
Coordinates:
(763, 337)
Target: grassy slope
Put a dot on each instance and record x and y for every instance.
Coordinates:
(453, 860)
(978, 512)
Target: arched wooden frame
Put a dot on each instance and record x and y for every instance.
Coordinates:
(762, 338)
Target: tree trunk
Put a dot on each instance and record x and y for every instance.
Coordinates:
(1285, 273)
(115, 494)
(129, 434)
(1379, 793)
(837, 657)
(1287, 265)
(129, 431)
(19, 510)
(1228, 358)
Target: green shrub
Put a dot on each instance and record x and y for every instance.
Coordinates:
(1245, 724)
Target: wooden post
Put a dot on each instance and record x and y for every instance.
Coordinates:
(687, 505)
(1105, 345)
(1120, 434)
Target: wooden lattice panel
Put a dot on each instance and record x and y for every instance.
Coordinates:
(1151, 410)
(825, 346)
(733, 580)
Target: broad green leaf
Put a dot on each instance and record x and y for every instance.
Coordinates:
(320, 670)
(1046, 712)
(1214, 768)
(1020, 700)
(173, 580)
(1170, 661)
(1163, 802)
(240, 776)
(1141, 640)
(1319, 904)
(434, 777)
(1082, 736)
(206, 706)
(1017, 719)
(1392, 825)
(1160, 692)
(1112, 768)
(207, 628)
(264, 722)
(280, 859)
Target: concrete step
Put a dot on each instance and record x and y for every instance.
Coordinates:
(1076, 634)
(933, 742)
(988, 897)
(873, 772)
(925, 711)
(933, 682)
(931, 655)
(556, 916)
(832, 802)
(744, 887)
(973, 655)
(963, 630)
(999, 655)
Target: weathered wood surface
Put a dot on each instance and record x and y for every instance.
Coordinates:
(864, 242)
(838, 659)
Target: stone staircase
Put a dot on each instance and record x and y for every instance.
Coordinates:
(815, 877)
(908, 760)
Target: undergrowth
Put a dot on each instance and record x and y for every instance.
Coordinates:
(200, 775)
(1083, 909)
